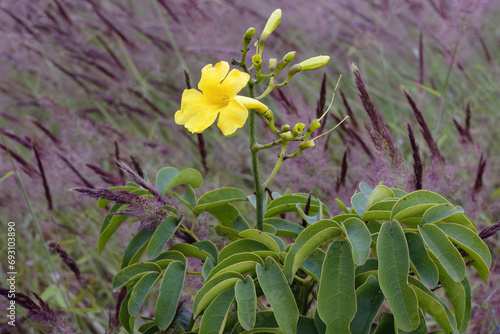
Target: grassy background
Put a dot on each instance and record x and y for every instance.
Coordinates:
(92, 81)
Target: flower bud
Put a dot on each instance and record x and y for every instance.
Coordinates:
(273, 21)
(251, 103)
(272, 64)
(284, 128)
(313, 126)
(287, 136)
(298, 129)
(294, 70)
(307, 144)
(286, 59)
(268, 114)
(249, 34)
(314, 63)
(257, 60)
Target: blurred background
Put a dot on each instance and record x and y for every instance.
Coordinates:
(84, 83)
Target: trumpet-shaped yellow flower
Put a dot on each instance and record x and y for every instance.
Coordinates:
(217, 97)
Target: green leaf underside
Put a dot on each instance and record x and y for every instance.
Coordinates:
(241, 246)
(261, 237)
(132, 273)
(472, 244)
(135, 247)
(425, 268)
(439, 244)
(279, 295)
(140, 292)
(170, 293)
(440, 212)
(360, 239)
(313, 264)
(309, 240)
(246, 300)
(369, 299)
(126, 320)
(161, 236)
(189, 250)
(287, 203)
(394, 264)
(215, 316)
(241, 262)
(219, 197)
(336, 294)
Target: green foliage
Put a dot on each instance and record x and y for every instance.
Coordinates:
(388, 246)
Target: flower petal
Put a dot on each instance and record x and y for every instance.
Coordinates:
(211, 77)
(234, 82)
(196, 112)
(232, 117)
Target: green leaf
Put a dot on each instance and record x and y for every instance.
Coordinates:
(191, 251)
(285, 227)
(6, 175)
(288, 203)
(188, 198)
(336, 294)
(459, 294)
(261, 237)
(359, 237)
(385, 325)
(309, 240)
(218, 197)
(342, 206)
(212, 288)
(140, 292)
(423, 265)
(126, 320)
(246, 300)
(379, 211)
(216, 314)
(111, 223)
(162, 235)
(434, 306)
(241, 263)
(170, 292)
(226, 214)
(308, 218)
(136, 246)
(207, 246)
(379, 193)
(369, 299)
(165, 258)
(394, 264)
(313, 264)
(460, 218)
(132, 273)
(472, 244)
(227, 232)
(169, 177)
(440, 212)
(240, 224)
(207, 267)
(438, 243)
(279, 295)
(242, 246)
(359, 201)
(414, 205)
(422, 327)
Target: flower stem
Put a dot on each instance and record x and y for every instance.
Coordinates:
(277, 167)
(258, 189)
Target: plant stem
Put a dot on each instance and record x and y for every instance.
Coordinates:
(277, 167)
(259, 190)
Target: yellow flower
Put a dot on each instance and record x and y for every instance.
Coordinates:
(217, 97)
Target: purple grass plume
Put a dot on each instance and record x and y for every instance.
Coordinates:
(417, 162)
(68, 261)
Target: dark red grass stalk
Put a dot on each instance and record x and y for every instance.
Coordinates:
(68, 261)
(46, 131)
(137, 166)
(320, 105)
(108, 23)
(464, 131)
(489, 231)
(287, 103)
(352, 119)
(25, 166)
(485, 48)
(46, 188)
(77, 173)
(417, 162)
(424, 128)
(478, 185)
(114, 324)
(105, 175)
(26, 142)
(380, 134)
(172, 14)
(117, 158)
(343, 170)
(110, 52)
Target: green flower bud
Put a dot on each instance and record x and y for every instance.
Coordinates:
(313, 126)
(249, 34)
(294, 70)
(305, 145)
(314, 63)
(268, 114)
(273, 21)
(298, 129)
(286, 59)
(257, 60)
(272, 64)
(284, 128)
(287, 135)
